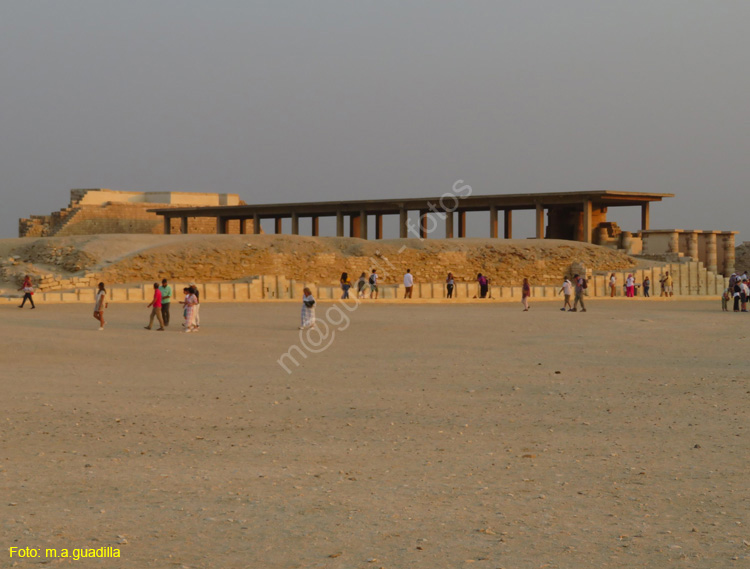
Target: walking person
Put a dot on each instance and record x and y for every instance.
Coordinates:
(483, 285)
(566, 289)
(308, 309)
(525, 294)
(736, 294)
(580, 290)
(668, 285)
(612, 285)
(373, 284)
(408, 283)
(197, 308)
(100, 303)
(449, 284)
(345, 285)
(166, 297)
(646, 287)
(28, 292)
(630, 286)
(190, 302)
(361, 284)
(155, 306)
(744, 294)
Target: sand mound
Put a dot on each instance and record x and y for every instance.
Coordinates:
(120, 259)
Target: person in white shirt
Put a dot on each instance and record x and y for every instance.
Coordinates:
(630, 286)
(408, 283)
(566, 289)
(612, 285)
(99, 305)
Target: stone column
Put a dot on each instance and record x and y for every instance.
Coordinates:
(403, 223)
(449, 225)
(277, 225)
(355, 227)
(423, 213)
(167, 225)
(493, 222)
(315, 225)
(728, 242)
(256, 224)
(645, 216)
(379, 226)
(221, 225)
(587, 221)
(339, 223)
(363, 224)
(508, 222)
(693, 245)
(462, 223)
(674, 243)
(711, 253)
(184, 225)
(295, 224)
(539, 221)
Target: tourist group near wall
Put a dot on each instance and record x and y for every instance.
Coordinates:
(690, 279)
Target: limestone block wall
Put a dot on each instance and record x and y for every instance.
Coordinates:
(98, 211)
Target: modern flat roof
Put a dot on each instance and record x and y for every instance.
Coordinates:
(448, 201)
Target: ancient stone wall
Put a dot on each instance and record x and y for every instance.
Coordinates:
(128, 216)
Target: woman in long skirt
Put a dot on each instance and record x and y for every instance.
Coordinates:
(308, 309)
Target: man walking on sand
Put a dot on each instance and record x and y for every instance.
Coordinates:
(166, 297)
(565, 290)
(155, 306)
(408, 283)
(580, 289)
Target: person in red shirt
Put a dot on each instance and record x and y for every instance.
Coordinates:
(155, 306)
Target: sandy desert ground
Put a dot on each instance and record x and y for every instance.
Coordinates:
(466, 436)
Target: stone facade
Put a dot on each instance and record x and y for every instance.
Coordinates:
(98, 211)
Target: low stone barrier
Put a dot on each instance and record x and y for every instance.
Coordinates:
(690, 279)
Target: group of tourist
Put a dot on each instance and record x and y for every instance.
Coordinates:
(739, 291)
(159, 305)
(630, 287)
(363, 283)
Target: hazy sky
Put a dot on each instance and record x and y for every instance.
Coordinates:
(323, 100)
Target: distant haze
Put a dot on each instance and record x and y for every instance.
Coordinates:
(290, 101)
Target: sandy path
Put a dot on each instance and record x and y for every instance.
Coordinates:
(424, 436)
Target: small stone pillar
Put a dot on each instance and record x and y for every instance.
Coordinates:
(256, 224)
(378, 226)
(403, 223)
(711, 253)
(493, 222)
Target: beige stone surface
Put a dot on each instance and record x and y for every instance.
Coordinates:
(472, 435)
(209, 258)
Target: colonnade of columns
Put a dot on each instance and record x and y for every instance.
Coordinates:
(427, 224)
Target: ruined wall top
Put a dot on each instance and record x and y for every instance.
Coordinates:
(99, 196)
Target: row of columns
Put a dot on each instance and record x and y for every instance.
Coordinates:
(358, 223)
